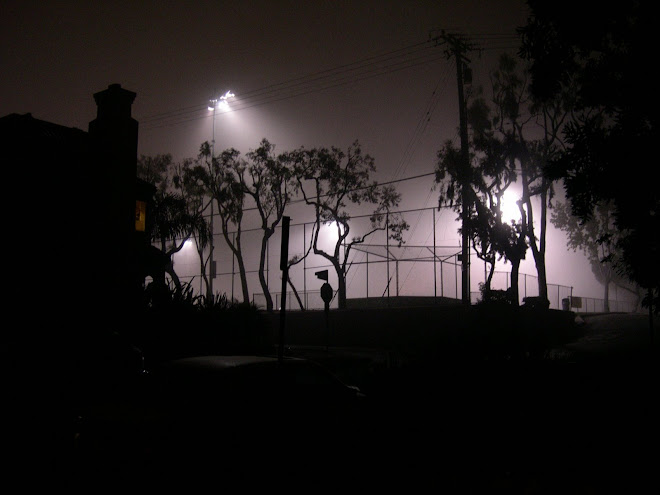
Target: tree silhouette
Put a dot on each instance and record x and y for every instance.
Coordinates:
(494, 158)
(603, 56)
(597, 238)
(190, 182)
(221, 175)
(330, 181)
(172, 221)
(268, 179)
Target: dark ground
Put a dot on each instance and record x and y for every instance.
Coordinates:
(581, 417)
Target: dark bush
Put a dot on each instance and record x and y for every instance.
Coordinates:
(495, 296)
(178, 323)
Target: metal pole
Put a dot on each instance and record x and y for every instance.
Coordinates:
(397, 278)
(456, 275)
(442, 281)
(465, 253)
(211, 272)
(367, 275)
(284, 266)
(305, 263)
(387, 247)
(233, 262)
(435, 277)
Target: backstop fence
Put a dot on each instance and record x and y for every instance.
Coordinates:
(427, 266)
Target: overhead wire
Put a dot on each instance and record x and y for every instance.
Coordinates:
(418, 133)
(374, 66)
(388, 62)
(477, 41)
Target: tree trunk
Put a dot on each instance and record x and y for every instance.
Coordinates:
(542, 277)
(243, 275)
(262, 277)
(205, 278)
(515, 275)
(175, 278)
(341, 289)
(238, 252)
(295, 293)
(606, 296)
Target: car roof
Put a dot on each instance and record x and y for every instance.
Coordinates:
(223, 362)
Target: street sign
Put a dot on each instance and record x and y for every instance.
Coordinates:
(284, 252)
(326, 293)
(323, 275)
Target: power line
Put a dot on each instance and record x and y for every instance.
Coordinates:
(361, 188)
(386, 63)
(244, 105)
(344, 74)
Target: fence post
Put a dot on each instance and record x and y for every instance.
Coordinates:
(435, 278)
(442, 281)
(456, 274)
(305, 263)
(367, 274)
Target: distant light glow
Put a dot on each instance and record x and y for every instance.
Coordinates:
(328, 235)
(509, 207)
(227, 95)
(221, 103)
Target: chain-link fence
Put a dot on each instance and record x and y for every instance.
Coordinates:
(427, 265)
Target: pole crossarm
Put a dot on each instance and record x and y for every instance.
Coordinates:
(457, 44)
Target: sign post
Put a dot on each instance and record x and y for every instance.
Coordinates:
(326, 295)
(284, 266)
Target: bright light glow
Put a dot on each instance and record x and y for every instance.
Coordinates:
(509, 207)
(227, 95)
(223, 104)
(328, 236)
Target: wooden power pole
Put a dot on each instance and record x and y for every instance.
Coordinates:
(457, 47)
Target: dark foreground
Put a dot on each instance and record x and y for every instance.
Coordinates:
(583, 420)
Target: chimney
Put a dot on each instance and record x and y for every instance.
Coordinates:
(114, 103)
(113, 173)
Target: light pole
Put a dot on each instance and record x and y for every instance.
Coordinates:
(215, 103)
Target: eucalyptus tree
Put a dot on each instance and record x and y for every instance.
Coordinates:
(531, 131)
(598, 238)
(603, 56)
(331, 181)
(219, 175)
(172, 221)
(189, 180)
(268, 179)
(480, 187)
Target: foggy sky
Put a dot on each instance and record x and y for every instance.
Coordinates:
(304, 74)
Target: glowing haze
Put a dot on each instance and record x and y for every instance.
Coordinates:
(301, 74)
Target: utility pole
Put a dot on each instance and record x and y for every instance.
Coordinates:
(457, 47)
(284, 266)
(213, 103)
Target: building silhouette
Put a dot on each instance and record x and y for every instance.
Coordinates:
(78, 209)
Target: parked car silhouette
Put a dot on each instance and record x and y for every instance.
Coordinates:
(225, 408)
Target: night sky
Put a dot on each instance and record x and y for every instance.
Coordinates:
(315, 73)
